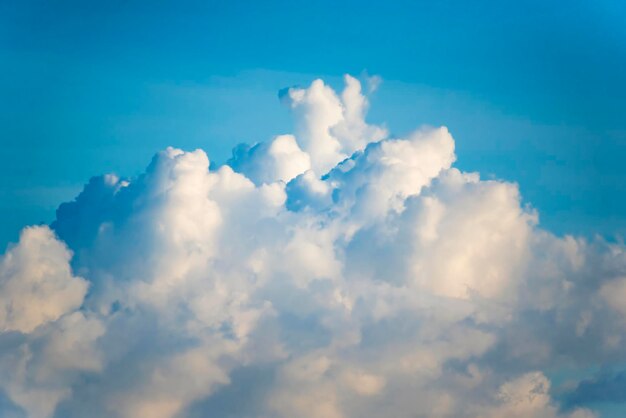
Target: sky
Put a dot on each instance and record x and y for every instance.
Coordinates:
(534, 91)
(324, 208)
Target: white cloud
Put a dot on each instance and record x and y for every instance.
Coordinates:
(36, 284)
(328, 127)
(614, 293)
(278, 160)
(339, 272)
(528, 397)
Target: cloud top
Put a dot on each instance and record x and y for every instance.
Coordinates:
(36, 282)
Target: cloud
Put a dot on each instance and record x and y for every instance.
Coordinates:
(36, 283)
(46, 342)
(328, 127)
(528, 396)
(278, 160)
(337, 272)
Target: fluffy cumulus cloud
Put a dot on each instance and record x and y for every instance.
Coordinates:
(338, 272)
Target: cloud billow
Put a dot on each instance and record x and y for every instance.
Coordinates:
(337, 272)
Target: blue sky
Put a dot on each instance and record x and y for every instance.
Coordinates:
(534, 92)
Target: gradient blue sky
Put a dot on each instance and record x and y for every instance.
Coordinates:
(533, 92)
